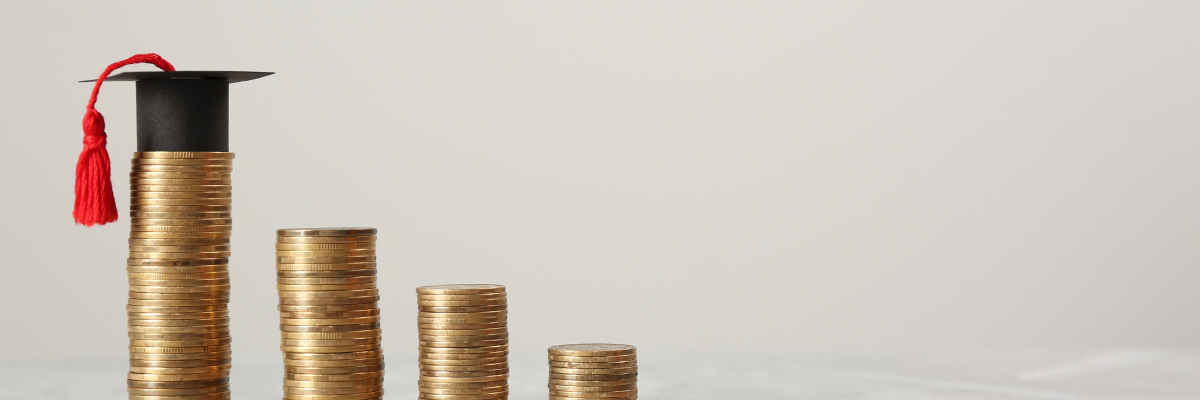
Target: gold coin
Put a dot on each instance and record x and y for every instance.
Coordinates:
(144, 188)
(324, 246)
(328, 391)
(180, 221)
(181, 168)
(493, 385)
(333, 356)
(634, 397)
(326, 232)
(178, 329)
(462, 332)
(593, 395)
(331, 293)
(325, 239)
(330, 342)
(475, 390)
(181, 175)
(325, 253)
(210, 155)
(464, 357)
(463, 379)
(178, 378)
(333, 378)
(193, 309)
(181, 195)
(464, 315)
(311, 288)
(460, 309)
(460, 289)
(594, 371)
(334, 370)
(329, 274)
(331, 335)
(477, 343)
(178, 296)
(594, 359)
(181, 356)
(213, 396)
(179, 289)
(179, 370)
(328, 308)
(185, 277)
(180, 228)
(178, 256)
(356, 396)
(463, 303)
(591, 389)
(464, 368)
(330, 349)
(569, 364)
(327, 281)
(480, 361)
(180, 242)
(178, 282)
(179, 363)
(139, 337)
(182, 161)
(488, 396)
(180, 202)
(288, 383)
(332, 363)
(180, 343)
(592, 349)
(222, 262)
(490, 325)
(464, 374)
(463, 350)
(178, 385)
(203, 269)
(202, 215)
(331, 270)
(329, 328)
(178, 315)
(329, 314)
(215, 301)
(323, 260)
(179, 392)
(178, 350)
(181, 209)
(461, 297)
(462, 321)
(471, 338)
(592, 377)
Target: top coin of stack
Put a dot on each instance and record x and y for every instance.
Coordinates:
(329, 314)
(178, 280)
(464, 342)
(596, 371)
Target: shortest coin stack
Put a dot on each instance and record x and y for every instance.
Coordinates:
(464, 342)
(596, 371)
(329, 314)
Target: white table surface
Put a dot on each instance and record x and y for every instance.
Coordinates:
(1142, 374)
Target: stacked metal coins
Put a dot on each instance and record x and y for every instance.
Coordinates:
(464, 342)
(329, 314)
(595, 371)
(179, 344)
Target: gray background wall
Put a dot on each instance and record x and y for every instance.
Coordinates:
(726, 176)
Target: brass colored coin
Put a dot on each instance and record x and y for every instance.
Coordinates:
(461, 297)
(177, 296)
(460, 321)
(180, 289)
(464, 315)
(331, 342)
(178, 315)
(212, 396)
(594, 371)
(591, 377)
(489, 325)
(221, 184)
(471, 338)
(181, 209)
(488, 396)
(325, 239)
(178, 329)
(160, 276)
(287, 390)
(333, 370)
(357, 396)
(180, 168)
(460, 289)
(464, 368)
(330, 349)
(323, 260)
(179, 392)
(325, 253)
(351, 273)
(173, 222)
(464, 303)
(327, 281)
(179, 215)
(181, 175)
(569, 364)
(493, 385)
(463, 379)
(180, 343)
(328, 270)
(461, 309)
(178, 350)
(201, 269)
(634, 397)
(208, 155)
(465, 358)
(326, 232)
(179, 370)
(180, 202)
(332, 363)
(179, 336)
(289, 383)
(593, 395)
(333, 356)
(463, 374)
(178, 282)
(329, 328)
(176, 256)
(329, 314)
(477, 343)
(181, 228)
(179, 363)
(352, 286)
(137, 188)
(180, 356)
(333, 378)
(177, 385)
(463, 332)
(592, 349)
(331, 293)
(331, 335)
(327, 308)
(593, 389)
(480, 361)
(221, 262)
(324, 246)
(194, 309)
(464, 350)
(179, 195)
(215, 301)
(180, 377)
(477, 390)
(182, 161)
(178, 235)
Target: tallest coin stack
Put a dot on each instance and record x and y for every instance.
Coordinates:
(179, 343)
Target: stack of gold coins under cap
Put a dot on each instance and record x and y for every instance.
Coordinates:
(595, 371)
(464, 342)
(329, 314)
(179, 343)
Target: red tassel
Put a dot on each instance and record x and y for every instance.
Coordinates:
(94, 202)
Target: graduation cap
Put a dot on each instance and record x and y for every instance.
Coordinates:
(176, 111)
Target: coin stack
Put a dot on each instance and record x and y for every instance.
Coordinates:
(464, 342)
(329, 314)
(594, 371)
(179, 344)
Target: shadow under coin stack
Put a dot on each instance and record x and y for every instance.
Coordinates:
(179, 343)
(329, 314)
(593, 371)
(464, 342)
